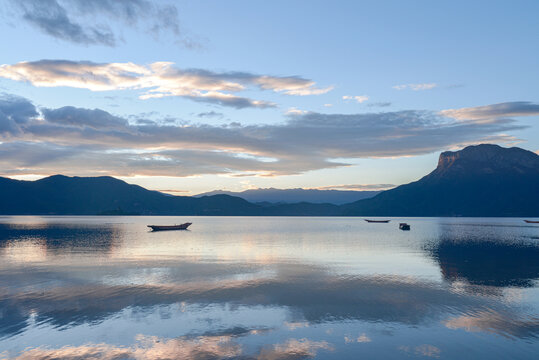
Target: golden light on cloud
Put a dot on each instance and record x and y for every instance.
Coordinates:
(157, 80)
(154, 348)
(146, 348)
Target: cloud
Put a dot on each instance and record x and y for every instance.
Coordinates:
(14, 111)
(291, 85)
(78, 141)
(87, 22)
(416, 87)
(380, 104)
(72, 116)
(358, 98)
(172, 191)
(159, 79)
(494, 111)
(210, 114)
(294, 111)
(358, 187)
(52, 19)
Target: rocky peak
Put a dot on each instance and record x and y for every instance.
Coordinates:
(487, 158)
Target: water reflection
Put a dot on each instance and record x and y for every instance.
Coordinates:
(311, 294)
(488, 263)
(57, 238)
(116, 291)
(206, 347)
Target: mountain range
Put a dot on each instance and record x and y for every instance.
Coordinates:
(291, 196)
(481, 180)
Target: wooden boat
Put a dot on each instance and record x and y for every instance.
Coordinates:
(404, 226)
(532, 221)
(183, 226)
(376, 221)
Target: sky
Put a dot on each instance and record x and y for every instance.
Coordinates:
(193, 96)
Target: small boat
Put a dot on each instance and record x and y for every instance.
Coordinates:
(404, 226)
(183, 226)
(376, 221)
(531, 221)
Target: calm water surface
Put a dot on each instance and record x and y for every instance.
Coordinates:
(268, 288)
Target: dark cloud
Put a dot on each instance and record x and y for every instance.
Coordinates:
(85, 142)
(145, 122)
(210, 114)
(51, 18)
(74, 20)
(72, 116)
(236, 102)
(14, 111)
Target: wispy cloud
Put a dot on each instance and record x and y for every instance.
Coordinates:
(494, 111)
(380, 104)
(69, 20)
(290, 85)
(210, 114)
(159, 79)
(295, 111)
(358, 187)
(358, 98)
(416, 87)
(81, 141)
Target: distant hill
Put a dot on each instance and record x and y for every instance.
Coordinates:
(62, 195)
(481, 180)
(291, 196)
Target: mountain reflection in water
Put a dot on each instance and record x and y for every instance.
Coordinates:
(489, 263)
(267, 288)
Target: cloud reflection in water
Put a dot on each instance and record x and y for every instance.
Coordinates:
(258, 303)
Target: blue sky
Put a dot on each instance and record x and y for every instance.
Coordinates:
(202, 95)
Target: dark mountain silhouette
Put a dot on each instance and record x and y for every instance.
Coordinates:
(481, 180)
(63, 195)
(291, 196)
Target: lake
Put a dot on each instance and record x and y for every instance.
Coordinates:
(268, 288)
